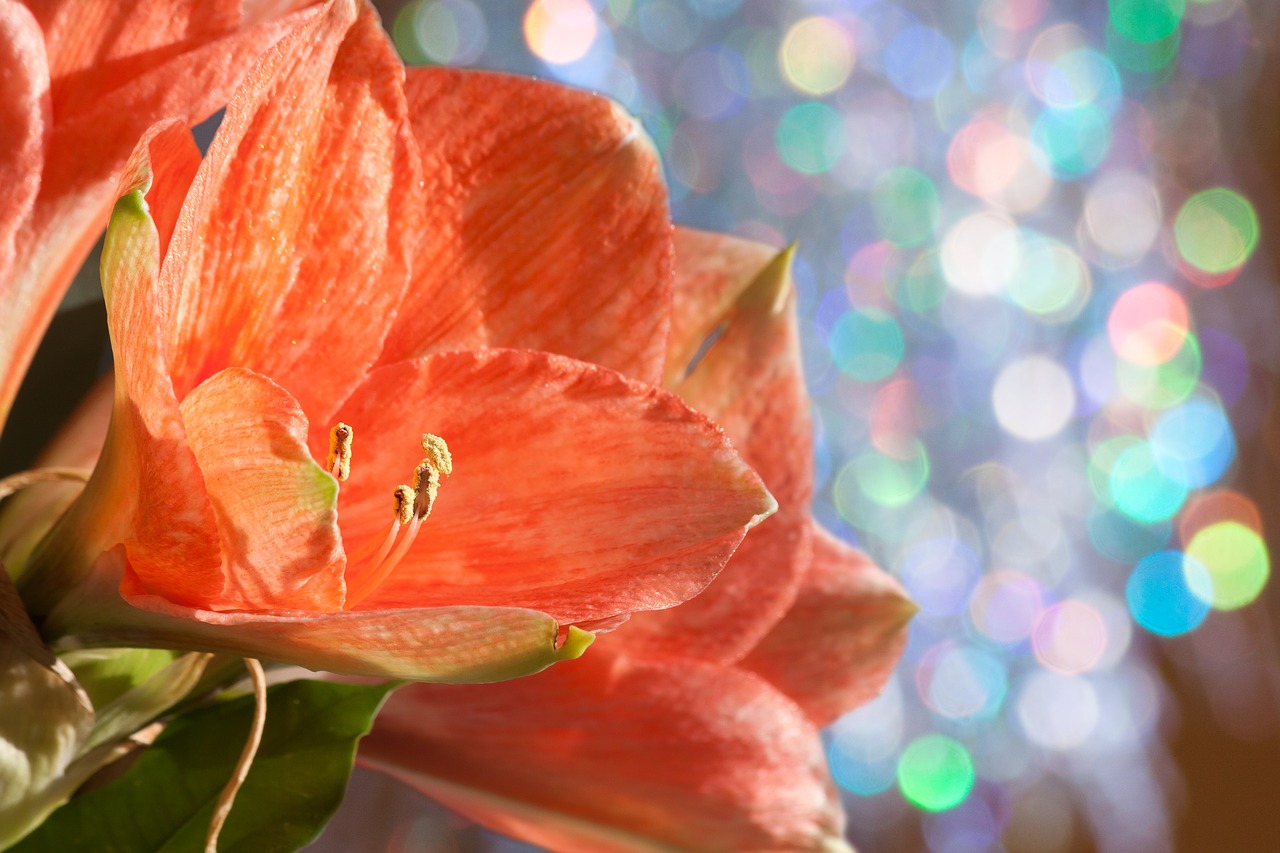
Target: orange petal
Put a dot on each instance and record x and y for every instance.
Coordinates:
(292, 250)
(750, 383)
(607, 755)
(446, 644)
(546, 225)
(575, 491)
(148, 478)
(277, 509)
(712, 270)
(24, 115)
(113, 69)
(841, 639)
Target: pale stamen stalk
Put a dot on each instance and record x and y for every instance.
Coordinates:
(362, 578)
(381, 541)
(369, 579)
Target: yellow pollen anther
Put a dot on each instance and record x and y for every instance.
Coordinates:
(340, 438)
(438, 453)
(426, 484)
(404, 497)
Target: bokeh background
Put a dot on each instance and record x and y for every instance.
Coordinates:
(1041, 333)
(1042, 330)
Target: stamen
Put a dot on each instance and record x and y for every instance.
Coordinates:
(411, 504)
(404, 497)
(340, 438)
(438, 453)
(367, 583)
(402, 508)
(426, 483)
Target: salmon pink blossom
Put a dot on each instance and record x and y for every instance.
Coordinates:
(384, 366)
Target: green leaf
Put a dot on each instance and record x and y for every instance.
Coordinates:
(108, 674)
(165, 800)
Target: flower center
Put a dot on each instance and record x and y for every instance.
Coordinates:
(371, 563)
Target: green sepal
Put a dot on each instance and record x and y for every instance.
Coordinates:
(163, 803)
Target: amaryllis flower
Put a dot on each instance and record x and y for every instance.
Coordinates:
(80, 80)
(694, 729)
(318, 451)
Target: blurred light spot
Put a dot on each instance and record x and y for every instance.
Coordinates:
(1216, 230)
(1122, 215)
(1013, 15)
(1080, 78)
(1124, 540)
(816, 55)
(1146, 21)
(440, 31)
(560, 31)
(1236, 560)
(1153, 58)
(866, 345)
(939, 574)
(1168, 593)
(1116, 623)
(863, 745)
(1033, 398)
(1096, 370)
(1074, 140)
(961, 682)
(923, 285)
(935, 773)
(668, 26)
(1005, 606)
(892, 418)
(1140, 489)
(1069, 637)
(716, 8)
(1162, 385)
(981, 253)
(906, 206)
(810, 138)
(1052, 281)
(1057, 711)
(1206, 508)
(1148, 323)
(919, 61)
(1193, 443)
(706, 83)
(988, 160)
(893, 480)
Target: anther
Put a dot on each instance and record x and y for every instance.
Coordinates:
(404, 497)
(340, 438)
(438, 453)
(426, 485)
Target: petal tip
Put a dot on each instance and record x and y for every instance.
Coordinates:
(769, 290)
(575, 642)
(769, 505)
